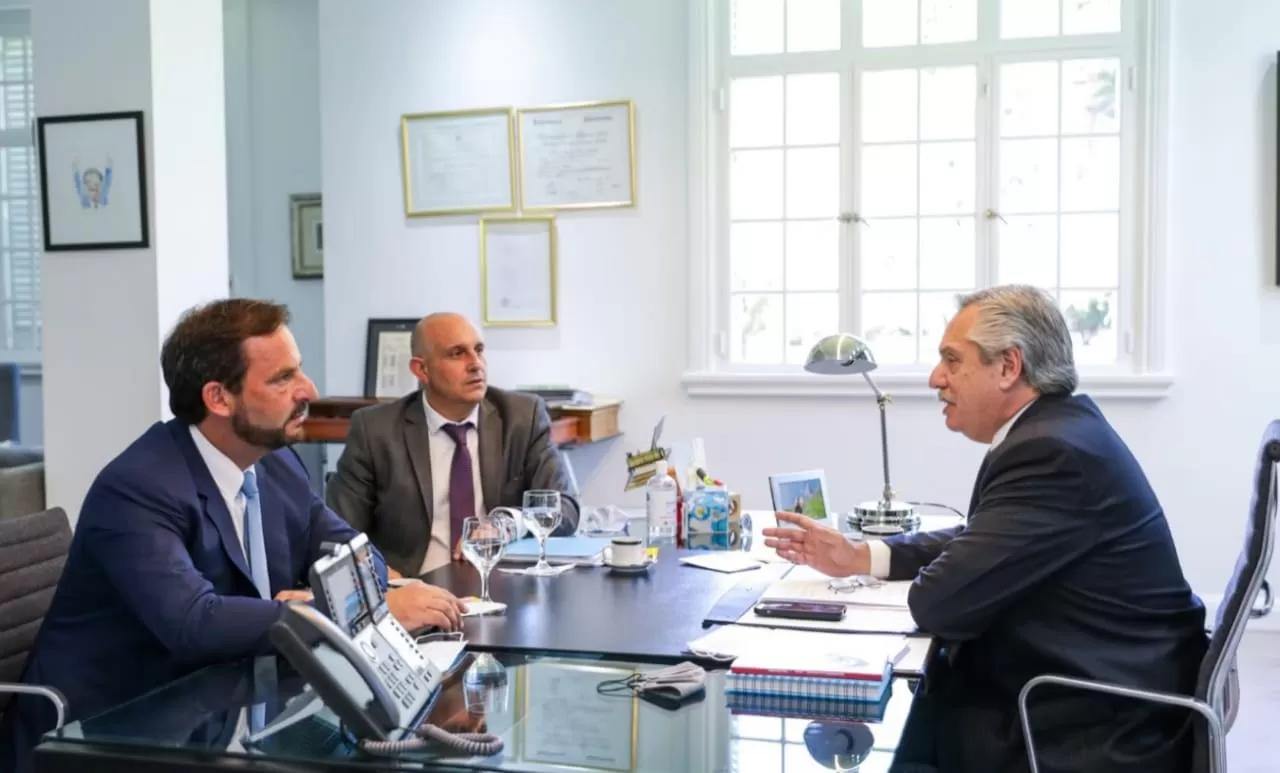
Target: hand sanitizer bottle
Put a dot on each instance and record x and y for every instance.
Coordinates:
(660, 506)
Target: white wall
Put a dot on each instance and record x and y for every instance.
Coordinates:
(623, 310)
(103, 316)
(273, 151)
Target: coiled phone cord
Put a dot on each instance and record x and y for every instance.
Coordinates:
(473, 744)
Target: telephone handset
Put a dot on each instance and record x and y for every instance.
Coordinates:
(361, 661)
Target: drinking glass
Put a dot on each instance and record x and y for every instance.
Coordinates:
(484, 541)
(542, 514)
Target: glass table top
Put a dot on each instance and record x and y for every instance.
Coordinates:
(547, 711)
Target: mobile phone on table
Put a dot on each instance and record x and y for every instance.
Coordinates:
(801, 610)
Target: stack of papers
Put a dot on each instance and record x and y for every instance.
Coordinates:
(804, 583)
(736, 641)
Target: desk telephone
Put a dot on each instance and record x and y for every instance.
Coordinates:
(361, 662)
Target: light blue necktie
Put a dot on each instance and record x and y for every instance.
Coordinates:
(254, 549)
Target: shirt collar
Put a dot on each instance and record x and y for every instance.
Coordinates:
(227, 475)
(1003, 432)
(435, 422)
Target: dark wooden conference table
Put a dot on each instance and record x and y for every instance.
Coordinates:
(587, 616)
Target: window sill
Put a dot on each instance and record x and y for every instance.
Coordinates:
(1146, 386)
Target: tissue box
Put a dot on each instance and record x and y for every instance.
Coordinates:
(707, 519)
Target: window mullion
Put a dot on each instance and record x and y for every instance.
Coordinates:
(850, 236)
(988, 228)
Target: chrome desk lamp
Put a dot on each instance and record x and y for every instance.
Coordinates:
(842, 354)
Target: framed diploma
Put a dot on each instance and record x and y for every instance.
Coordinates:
(518, 271)
(386, 361)
(458, 162)
(579, 156)
(567, 723)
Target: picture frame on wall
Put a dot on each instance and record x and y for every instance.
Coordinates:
(93, 181)
(518, 271)
(387, 355)
(577, 156)
(458, 162)
(306, 227)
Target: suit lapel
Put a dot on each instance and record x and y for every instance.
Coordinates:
(977, 482)
(417, 440)
(211, 499)
(490, 433)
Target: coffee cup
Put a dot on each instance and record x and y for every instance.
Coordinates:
(625, 551)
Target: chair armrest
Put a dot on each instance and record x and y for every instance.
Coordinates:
(1267, 601)
(59, 702)
(1216, 730)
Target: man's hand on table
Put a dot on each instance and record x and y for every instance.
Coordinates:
(392, 574)
(418, 605)
(294, 595)
(813, 544)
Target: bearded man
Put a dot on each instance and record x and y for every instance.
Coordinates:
(191, 542)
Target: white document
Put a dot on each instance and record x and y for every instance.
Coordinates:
(442, 653)
(907, 653)
(728, 561)
(804, 583)
(518, 271)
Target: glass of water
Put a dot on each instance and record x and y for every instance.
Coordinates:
(484, 541)
(542, 516)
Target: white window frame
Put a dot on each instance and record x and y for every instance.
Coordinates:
(29, 358)
(1143, 280)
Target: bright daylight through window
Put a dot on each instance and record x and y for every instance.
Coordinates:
(881, 157)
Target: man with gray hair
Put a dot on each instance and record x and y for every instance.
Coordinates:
(1065, 565)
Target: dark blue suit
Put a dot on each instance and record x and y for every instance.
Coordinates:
(1066, 566)
(156, 583)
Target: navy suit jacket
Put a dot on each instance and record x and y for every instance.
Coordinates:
(1066, 565)
(156, 584)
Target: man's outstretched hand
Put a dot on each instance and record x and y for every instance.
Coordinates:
(810, 543)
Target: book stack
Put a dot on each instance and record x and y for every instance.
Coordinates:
(850, 674)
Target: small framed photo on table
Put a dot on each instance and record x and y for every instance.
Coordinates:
(93, 181)
(387, 355)
(804, 493)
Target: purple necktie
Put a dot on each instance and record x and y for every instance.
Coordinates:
(462, 494)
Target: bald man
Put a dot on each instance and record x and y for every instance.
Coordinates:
(412, 470)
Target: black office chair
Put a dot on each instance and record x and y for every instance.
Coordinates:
(1217, 687)
(33, 550)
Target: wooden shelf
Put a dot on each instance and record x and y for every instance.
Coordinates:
(330, 418)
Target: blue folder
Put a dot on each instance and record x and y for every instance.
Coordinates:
(561, 549)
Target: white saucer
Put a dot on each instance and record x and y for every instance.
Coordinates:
(631, 568)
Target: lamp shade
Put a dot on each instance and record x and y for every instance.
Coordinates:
(840, 354)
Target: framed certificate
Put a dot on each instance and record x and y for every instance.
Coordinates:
(458, 162)
(387, 355)
(579, 156)
(518, 271)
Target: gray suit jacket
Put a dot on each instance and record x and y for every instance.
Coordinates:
(383, 484)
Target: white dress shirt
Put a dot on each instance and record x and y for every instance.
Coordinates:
(880, 552)
(441, 455)
(228, 477)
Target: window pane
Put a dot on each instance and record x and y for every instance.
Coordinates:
(1090, 17)
(948, 250)
(757, 27)
(1090, 101)
(889, 325)
(888, 254)
(1091, 174)
(888, 106)
(888, 180)
(948, 103)
(755, 112)
(1029, 251)
(813, 182)
(755, 256)
(936, 311)
(810, 316)
(755, 184)
(757, 328)
(1028, 176)
(813, 255)
(1091, 250)
(1029, 99)
(813, 109)
(757, 757)
(888, 23)
(948, 182)
(948, 21)
(813, 25)
(1091, 317)
(1028, 18)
